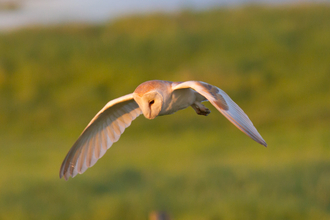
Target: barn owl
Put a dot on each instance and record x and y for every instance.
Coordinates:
(152, 98)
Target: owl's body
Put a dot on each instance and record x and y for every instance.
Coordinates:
(170, 101)
(152, 98)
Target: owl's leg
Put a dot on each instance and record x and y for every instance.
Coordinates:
(200, 109)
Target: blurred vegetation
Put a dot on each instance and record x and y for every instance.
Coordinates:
(273, 61)
(9, 5)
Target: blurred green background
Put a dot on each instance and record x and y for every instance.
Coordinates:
(273, 61)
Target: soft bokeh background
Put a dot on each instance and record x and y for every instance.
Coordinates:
(273, 60)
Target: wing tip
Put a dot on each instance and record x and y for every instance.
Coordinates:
(264, 143)
(64, 174)
(64, 177)
(258, 139)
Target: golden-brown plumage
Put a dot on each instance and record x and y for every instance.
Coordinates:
(152, 98)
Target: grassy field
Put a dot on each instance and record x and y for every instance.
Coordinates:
(273, 61)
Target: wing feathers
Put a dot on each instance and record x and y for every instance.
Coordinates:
(221, 101)
(103, 130)
(110, 122)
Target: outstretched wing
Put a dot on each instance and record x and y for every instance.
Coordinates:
(103, 130)
(221, 101)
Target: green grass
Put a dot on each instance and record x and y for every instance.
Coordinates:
(274, 62)
(193, 174)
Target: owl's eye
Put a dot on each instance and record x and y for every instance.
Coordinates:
(151, 102)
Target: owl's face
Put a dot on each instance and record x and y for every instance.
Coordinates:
(150, 103)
